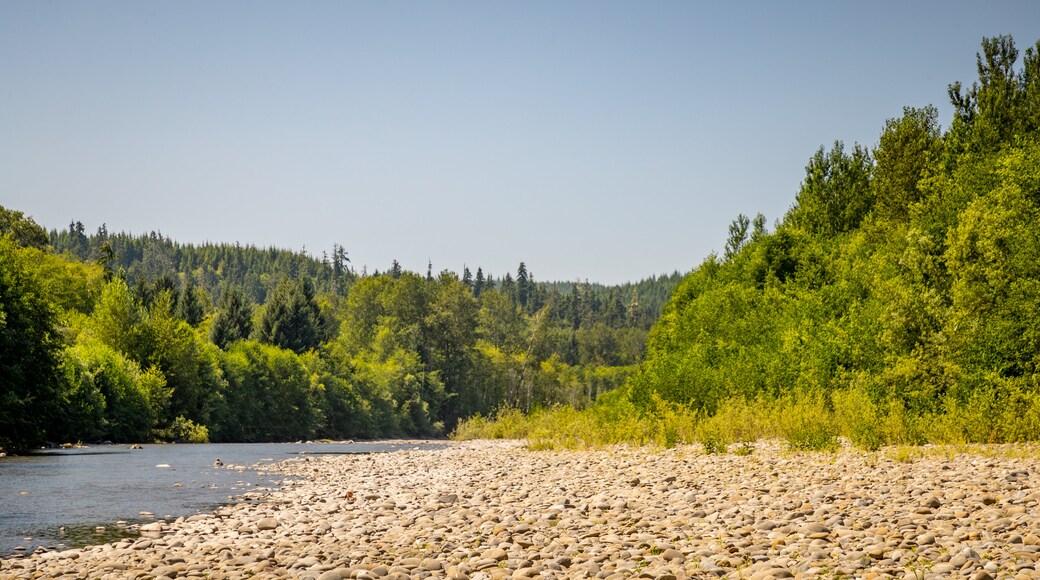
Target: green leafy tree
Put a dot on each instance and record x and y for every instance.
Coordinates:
(909, 148)
(30, 381)
(120, 322)
(189, 363)
(994, 255)
(451, 329)
(758, 227)
(131, 398)
(341, 272)
(835, 196)
(1002, 103)
(268, 395)
(22, 229)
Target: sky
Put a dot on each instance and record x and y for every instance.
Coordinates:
(593, 140)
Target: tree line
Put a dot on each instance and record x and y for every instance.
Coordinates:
(130, 338)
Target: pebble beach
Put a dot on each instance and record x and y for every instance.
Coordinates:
(489, 510)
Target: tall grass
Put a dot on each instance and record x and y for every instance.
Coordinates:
(807, 422)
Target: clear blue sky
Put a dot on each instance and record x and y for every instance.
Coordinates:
(593, 140)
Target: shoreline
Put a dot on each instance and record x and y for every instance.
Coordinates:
(493, 509)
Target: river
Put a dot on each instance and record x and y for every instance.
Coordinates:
(75, 497)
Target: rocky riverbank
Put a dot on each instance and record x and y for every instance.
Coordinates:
(498, 510)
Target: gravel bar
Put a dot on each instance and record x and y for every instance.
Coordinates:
(488, 510)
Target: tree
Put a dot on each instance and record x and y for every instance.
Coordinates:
(758, 228)
(835, 196)
(268, 395)
(909, 147)
(478, 284)
(451, 328)
(1002, 103)
(188, 362)
(994, 256)
(523, 285)
(508, 287)
(738, 232)
(234, 318)
(189, 307)
(23, 230)
(340, 269)
(291, 317)
(122, 323)
(29, 349)
(106, 257)
(130, 399)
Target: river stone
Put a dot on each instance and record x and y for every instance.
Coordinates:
(267, 524)
(672, 554)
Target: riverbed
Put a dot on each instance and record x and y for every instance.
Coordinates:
(490, 510)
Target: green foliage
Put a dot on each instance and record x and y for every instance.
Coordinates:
(402, 355)
(234, 318)
(190, 365)
(22, 229)
(291, 317)
(185, 431)
(130, 398)
(267, 396)
(908, 151)
(738, 234)
(808, 425)
(189, 307)
(1003, 103)
(122, 323)
(30, 380)
(835, 196)
(894, 321)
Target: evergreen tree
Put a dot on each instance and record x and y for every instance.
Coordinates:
(234, 318)
(291, 317)
(189, 308)
(340, 269)
(738, 233)
(522, 285)
(508, 287)
(478, 284)
(106, 257)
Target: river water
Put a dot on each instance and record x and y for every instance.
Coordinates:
(76, 497)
